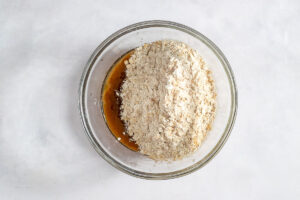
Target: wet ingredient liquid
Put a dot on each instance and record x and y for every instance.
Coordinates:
(112, 103)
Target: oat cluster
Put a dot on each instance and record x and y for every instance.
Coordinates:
(168, 99)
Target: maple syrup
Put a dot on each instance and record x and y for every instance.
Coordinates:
(111, 102)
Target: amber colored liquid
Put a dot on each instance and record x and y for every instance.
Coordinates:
(111, 102)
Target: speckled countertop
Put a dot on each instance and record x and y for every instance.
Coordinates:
(44, 153)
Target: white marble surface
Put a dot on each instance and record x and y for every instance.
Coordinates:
(44, 153)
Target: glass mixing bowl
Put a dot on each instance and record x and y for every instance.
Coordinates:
(90, 104)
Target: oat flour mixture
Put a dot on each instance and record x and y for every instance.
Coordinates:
(168, 99)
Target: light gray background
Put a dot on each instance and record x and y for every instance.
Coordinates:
(44, 153)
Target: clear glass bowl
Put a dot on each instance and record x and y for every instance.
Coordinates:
(90, 104)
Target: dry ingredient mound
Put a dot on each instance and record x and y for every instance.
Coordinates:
(168, 99)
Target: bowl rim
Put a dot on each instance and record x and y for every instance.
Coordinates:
(165, 24)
